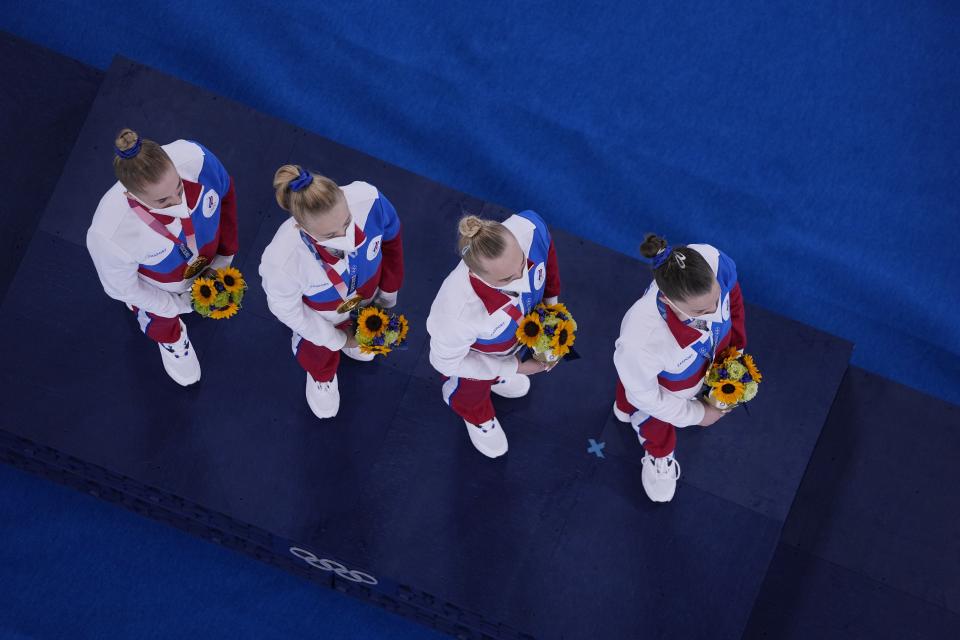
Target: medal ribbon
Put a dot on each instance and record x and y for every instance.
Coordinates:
(188, 250)
(335, 278)
(708, 349)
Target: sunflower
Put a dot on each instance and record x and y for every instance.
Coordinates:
(728, 391)
(529, 330)
(232, 280)
(752, 368)
(563, 338)
(375, 349)
(404, 327)
(372, 322)
(228, 311)
(204, 291)
(558, 307)
(726, 354)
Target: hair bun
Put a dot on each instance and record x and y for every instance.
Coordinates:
(470, 226)
(127, 144)
(652, 245)
(126, 139)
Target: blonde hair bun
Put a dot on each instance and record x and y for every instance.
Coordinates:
(470, 226)
(314, 198)
(126, 139)
(137, 161)
(480, 240)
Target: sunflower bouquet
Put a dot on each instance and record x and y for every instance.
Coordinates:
(732, 380)
(548, 331)
(380, 332)
(219, 296)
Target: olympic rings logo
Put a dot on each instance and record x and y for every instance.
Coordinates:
(334, 566)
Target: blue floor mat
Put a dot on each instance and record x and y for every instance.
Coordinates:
(818, 146)
(854, 134)
(124, 576)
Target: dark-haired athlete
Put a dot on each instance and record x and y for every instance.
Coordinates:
(668, 339)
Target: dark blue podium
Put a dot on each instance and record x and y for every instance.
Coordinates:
(389, 502)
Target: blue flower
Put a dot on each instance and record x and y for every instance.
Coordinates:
(746, 378)
(550, 330)
(378, 341)
(723, 372)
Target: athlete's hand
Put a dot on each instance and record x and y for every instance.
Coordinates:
(184, 302)
(385, 300)
(532, 366)
(711, 414)
(351, 341)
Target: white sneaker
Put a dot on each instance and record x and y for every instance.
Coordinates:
(660, 477)
(356, 354)
(180, 359)
(488, 438)
(622, 416)
(323, 397)
(516, 386)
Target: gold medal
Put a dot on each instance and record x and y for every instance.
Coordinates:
(195, 267)
(349, 305)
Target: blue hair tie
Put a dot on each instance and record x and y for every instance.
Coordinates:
(301, 182)
(129, 153)
(658, 260)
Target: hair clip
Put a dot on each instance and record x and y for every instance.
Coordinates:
(681, 259)
(658, 260)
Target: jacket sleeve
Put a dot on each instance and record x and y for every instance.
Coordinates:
(285, 300)
(552, 289)
(450, 354)
(738, 326)
(229, 241)
(638, 368)
(118, 275)
(391, 276)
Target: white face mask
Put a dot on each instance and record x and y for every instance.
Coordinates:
(716, 316)
(177, 210)
(346, 243)
(520, 285)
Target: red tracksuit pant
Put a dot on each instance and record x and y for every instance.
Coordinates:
(659, 438)
(470, 399)
(319, 362)
(158, 328)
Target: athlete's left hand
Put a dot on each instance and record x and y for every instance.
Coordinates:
(385, 300)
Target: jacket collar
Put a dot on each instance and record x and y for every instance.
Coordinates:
(493, 299)
(684, 334)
